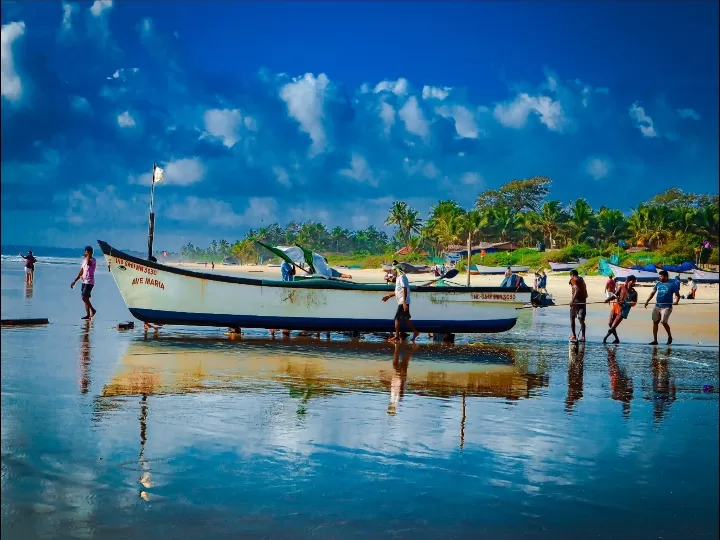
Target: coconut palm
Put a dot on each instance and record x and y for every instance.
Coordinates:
(612, 225)
(582, 221)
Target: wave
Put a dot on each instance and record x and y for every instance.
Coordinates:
(11, 259)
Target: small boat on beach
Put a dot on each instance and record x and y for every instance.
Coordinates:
(642, 276)
(166, 295)
(409, 268)
(703, 276)
(480, 270)
(563, 267)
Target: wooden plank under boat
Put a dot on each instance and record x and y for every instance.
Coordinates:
(160, 294)
(480, 270)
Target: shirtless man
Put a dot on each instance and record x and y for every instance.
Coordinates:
(625, 299)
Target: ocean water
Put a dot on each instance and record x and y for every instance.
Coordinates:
(194, 434)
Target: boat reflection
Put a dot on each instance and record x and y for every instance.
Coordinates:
(314, 368)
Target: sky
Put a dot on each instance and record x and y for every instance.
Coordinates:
(277, 112)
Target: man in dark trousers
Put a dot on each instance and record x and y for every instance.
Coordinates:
(577, 304)
(402, 295)
(87, 274)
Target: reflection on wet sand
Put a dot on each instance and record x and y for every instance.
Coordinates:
(664, 390)
(576, 368)
(620, 383)
(320, 368)
(84, 358)
(28, 291)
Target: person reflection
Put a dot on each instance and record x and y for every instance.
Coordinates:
(28, 290)
(663, 385)
(84, 358)
(145, 478)
(620, 383)
(401, 361)
(576, 367)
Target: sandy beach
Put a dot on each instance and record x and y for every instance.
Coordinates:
(696, 322)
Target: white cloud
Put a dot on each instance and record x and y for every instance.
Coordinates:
(89, 203)
(68, 12)
(305, 99)
(183, 172)
(224, 124)
(515, 114)
(433, 92)
(220, 213)
(413, 117)
(124, 120)
(100, 6)
(471, 179)
(180, 172)
(10, 83)
(360, 171)
(642, 121)
(688, 113)
(399, 87)
(250, 123)
(387, 113)
(282, 176)
(598, 168)
(465, 124)
(145, 27)
(80, 104)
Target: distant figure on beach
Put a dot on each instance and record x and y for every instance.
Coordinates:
(402, 295)
(542, 283)
(610, 286)
(536, 281)
(665, 290)
(212, 265)
(578, 309)
(693, 289)
(87, 274)
(30, 261)
(626, 298)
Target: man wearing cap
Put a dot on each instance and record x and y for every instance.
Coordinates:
(402, 294)
(87, 274)
(665, 290)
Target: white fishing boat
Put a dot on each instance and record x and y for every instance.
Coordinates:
(480, 270)
(703, 276)
(563, 267)
(160, 294)
(642, 276)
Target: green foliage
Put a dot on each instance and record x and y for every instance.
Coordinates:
(517, 195)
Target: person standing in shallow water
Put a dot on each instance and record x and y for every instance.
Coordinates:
(625, 300)
(30, 261)
(577, 304)
(87, 275)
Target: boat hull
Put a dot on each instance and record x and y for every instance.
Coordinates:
(703, 276)
(563, 267)
(642, 276)
(160, 294)
(479, 270)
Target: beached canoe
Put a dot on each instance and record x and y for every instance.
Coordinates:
(410, 268)
(160, 294)
(480, 270)
(563, 267)
(642, 276)
(703, 276)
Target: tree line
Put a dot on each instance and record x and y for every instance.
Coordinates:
(517, 211)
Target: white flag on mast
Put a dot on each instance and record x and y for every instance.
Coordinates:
(157, 175)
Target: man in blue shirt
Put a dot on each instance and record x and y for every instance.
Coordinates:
(665, 290)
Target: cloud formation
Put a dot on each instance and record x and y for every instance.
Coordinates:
(10, 82)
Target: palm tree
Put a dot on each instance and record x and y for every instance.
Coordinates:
(507, 223)
(582, 221)
(396, 216)
(549, 220)
(612, 225)
(650, 225)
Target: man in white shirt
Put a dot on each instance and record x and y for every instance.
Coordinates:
(402, 295)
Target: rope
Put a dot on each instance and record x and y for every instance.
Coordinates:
(590, 303)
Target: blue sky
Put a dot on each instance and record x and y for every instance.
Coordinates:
(264, 112)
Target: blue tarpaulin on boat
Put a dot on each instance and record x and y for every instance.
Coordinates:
(646, 268)
(687, 266)
(512, 282)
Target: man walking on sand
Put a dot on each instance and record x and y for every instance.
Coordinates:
(577, 304)
(665, 290)
(87, 274)
(402, 295)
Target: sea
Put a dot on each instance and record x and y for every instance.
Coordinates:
(193, 433)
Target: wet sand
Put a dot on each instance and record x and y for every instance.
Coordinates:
(692, 322)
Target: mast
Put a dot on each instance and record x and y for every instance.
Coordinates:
(151, 223)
